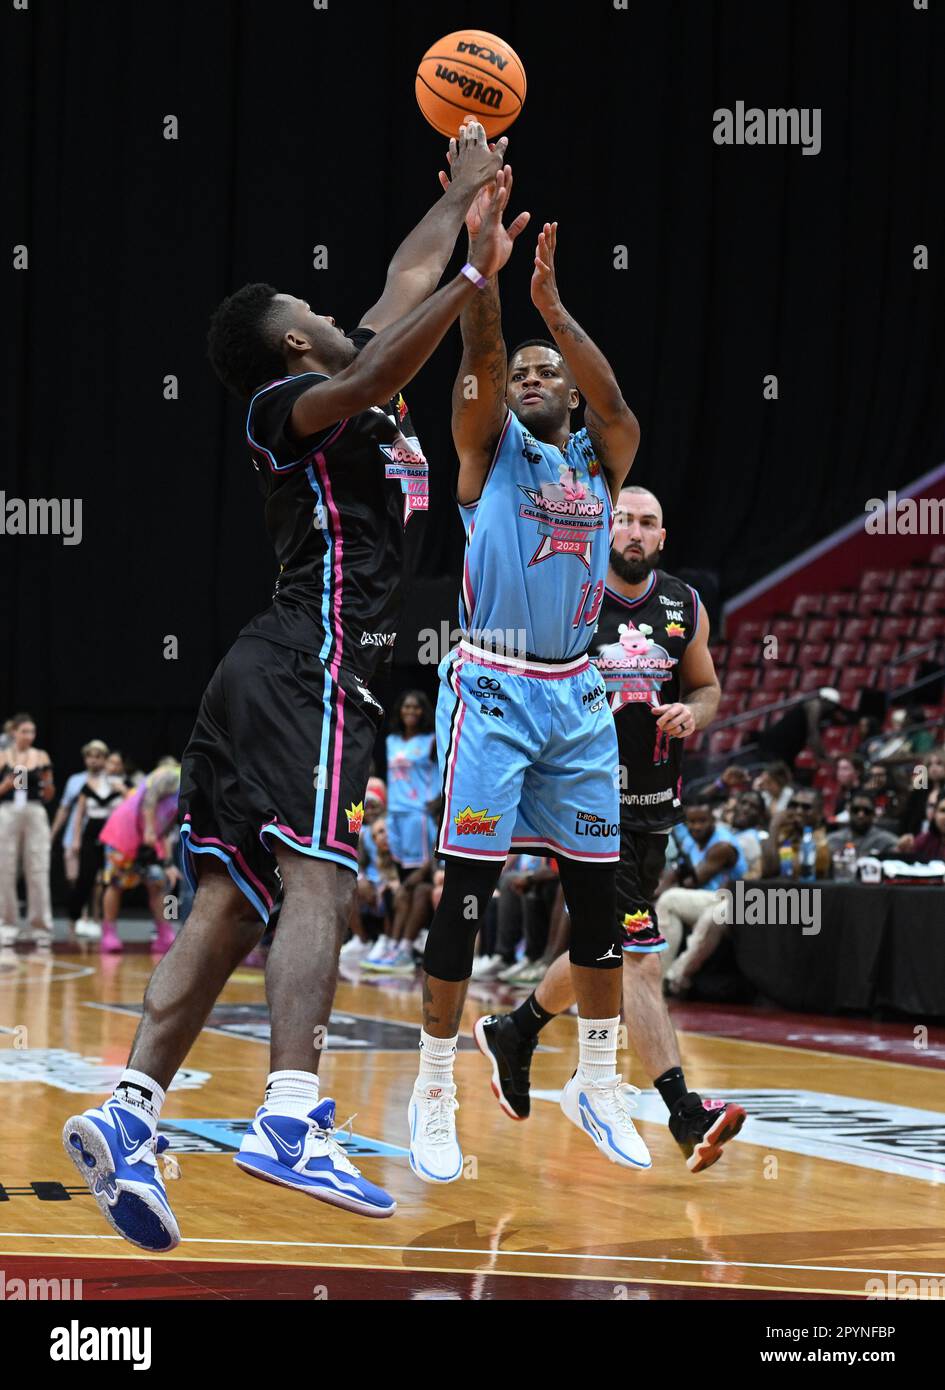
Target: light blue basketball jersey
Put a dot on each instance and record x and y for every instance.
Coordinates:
(537, 547)
(411, 772)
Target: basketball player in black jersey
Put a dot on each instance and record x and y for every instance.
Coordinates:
(651, 647)
(273, 779)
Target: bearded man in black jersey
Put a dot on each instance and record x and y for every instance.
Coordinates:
(273, 779)
(651, 647)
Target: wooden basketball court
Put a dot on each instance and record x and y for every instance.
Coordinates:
(836, 1180)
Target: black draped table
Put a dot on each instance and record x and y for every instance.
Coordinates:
(877, 947)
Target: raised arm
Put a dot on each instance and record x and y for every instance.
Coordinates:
(420, 260)
(398, 352)
(479, 407)
(611, 424)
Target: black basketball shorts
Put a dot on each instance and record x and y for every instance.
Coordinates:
(642, 856)
(281, 751)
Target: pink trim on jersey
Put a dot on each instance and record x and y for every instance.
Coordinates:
(514, 667)
(469, 597)
(335, 662)
(469, 506)
(275, 467)
(230, 849)
(533, 841)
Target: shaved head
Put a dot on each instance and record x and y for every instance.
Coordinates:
(638, 534)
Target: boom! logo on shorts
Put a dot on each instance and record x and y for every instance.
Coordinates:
(355, 816)
(470, 822)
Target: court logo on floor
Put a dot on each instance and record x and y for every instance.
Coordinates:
(225, 1136)
(70, 1071)
(346, 1032)
(844, 1129)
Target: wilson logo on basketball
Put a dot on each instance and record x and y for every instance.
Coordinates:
(471, 88)
(355, 816)
(470, 822)
(477, 50)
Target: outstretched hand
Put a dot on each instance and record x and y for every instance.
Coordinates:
(494, 241)
(545, 296)
(473, 162)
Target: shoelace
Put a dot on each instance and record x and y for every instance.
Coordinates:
(335, 1150)
(436, 1118)
(623, 1097)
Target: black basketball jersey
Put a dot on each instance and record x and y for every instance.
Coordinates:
(336, 506)
(637, 647)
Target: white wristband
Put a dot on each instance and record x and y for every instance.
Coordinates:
(471, 273)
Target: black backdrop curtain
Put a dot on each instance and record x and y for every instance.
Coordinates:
(297, 128)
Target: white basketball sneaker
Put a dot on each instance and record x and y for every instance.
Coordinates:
(602, 1109)
(435, 1155)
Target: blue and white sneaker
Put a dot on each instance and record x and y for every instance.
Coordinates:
(115, 1152)
(435, 1155)
(299, 1153)
(602, 1109)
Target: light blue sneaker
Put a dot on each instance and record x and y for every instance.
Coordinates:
(115, 1152)
(299, 1153)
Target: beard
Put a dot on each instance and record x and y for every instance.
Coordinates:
(633, 571)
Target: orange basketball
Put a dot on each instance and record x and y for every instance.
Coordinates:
(470, 73)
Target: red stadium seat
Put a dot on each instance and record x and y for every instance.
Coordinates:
(806, 604)
(822, 629)
(847, 653)
(743, 679)
(938, 579)
(938, 556)
(857, 678)
(838, 740)
(778, 678)
(724, 740)
(871, 580)
(896, 627)
(749, 631)
(837, 604)
(743, 654)
(787, 629)
(732, 702)
(813, 654)
(813, 677)
(932, 601)
(881, 653)
(903, 674)
(855, 629)
(927, 629)
(905, 602)
(873, 602)
(911, 579)
(753, 726)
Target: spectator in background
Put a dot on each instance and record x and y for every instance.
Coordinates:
(6, 735)
(94, 755)
(886, 796)
(138, 848)
(862, 832)
(411, 780)
(26, 785)
(931, 843)
(115, 767)
(800, 726)
(781, 852)
(928, 777)
(708, 857)
(748, 817)
(774, 783)
(733, 780)
(526, 891)
(849, 772)
(868, 736)
(97, 797)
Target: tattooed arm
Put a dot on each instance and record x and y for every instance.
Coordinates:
(479, 407)
(611, 424)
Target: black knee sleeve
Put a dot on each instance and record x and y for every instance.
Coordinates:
(468, 885)
(590, 891)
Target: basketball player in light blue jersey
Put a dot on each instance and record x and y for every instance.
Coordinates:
(526, 740)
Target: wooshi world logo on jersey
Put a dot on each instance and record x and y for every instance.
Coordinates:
(407, 462)
(568, 517)
(635, 667)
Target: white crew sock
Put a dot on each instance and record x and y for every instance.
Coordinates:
(142, 1094)
(436, 1059)
(598, 1044)
(292, 1092)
